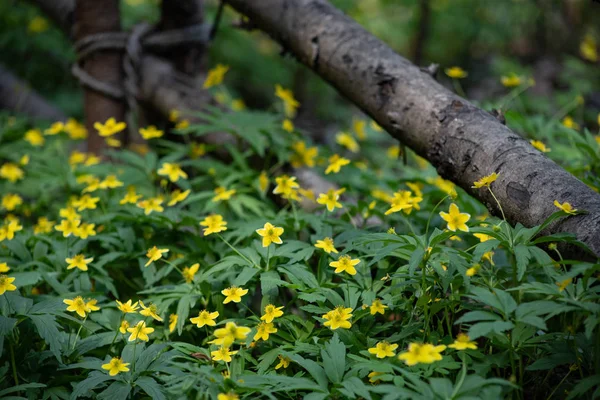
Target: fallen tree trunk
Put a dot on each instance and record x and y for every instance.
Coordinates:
(18, 97)
(462, 141)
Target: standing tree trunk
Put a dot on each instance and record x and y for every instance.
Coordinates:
(93, 17)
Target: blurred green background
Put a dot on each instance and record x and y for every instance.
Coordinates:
(542, 39)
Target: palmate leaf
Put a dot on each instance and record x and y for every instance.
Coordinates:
(94, 379)
(334, 359)
(116, 391)
(251, 126)
(151, 387)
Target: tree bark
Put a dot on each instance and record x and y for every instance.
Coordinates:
(92, 17)
(462, 141)
(18, 97)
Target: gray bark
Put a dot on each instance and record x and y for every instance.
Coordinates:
(18, 97)
(462, 141)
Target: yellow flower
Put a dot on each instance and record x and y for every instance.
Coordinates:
(174, 115)
(377, 307)
(79, 261)
(68, 227)
(172, 322)
(123, 327)
(222, 194)
(488, 255)
(284, 362)
(456, 219)
(538, 144)
(263, 330)
(338, 318)
(131, 197)
(112, 142)
(85, 202)
(11, 171)
(69, 213)
(483, 237)
(37, 25)
(226, 336)
(486, 181)
(151, 204)
(85, 230)
(327, 245)
(234, 294)
(290, 104)
(403, 200)
(463, 342)
(55, 129)
(76, 305)
(286, 186)
(110, 127)
(223, 354)
(393, 152)
(24, 160)
(359, 126)
(92, 160)
(215, 76)
(346, 140)
(197, 150)
(4, 267)
(562, 285)
(376, 127)
(336, 163)
(303, 155)
(569, 123)
(263, 181)
(228, 396)
(511, 80)
(307, 194)
(91, 305)
(151, 132)
(287, 125)
(271, 312)
(214, 224)
(11, 201)
(150, 311)
(189, 272)
(383, 349)
(75, 130)
(566, 207)
(140, 331)
(178, 196)
(115, 366)
(205, 318)
(588, 49)
(330, 199)
(270, 234)
(373, 376)
(110, 182)
(34, 137)
(10, 227)
(173, 171)
(456, 72)
(422, 353)
(238, 105)
(345, 263)
(473, 270)
(184, 123)
(155, 254)
(6, 284)
(127, 307)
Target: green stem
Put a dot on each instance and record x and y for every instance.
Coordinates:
(458, 88)
(237, 252)
(433, 212)
(14, 364)
(268, 256)
(78, 332)
(133, 361)
(116, 334)
(560, 383)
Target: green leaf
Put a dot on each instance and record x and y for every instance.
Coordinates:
(19, 388)
(522, 256)
(357, 387)
(183, 310)
(116, 391)
(484, 328)
(334, 359)
(47, 327)
(313, 368)
(151, 387)
(246, 274)
(94, 379)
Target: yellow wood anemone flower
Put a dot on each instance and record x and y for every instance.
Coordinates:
(270, 234)
(456, 72)
(214, 224)
(140, 331)
(327, 245)
(223, 354)
(456, 219)
(205, 318)
(566, 207)
(422, 354)
(155, 254)
(115, 366)
(234, 294)
(345, 264)
(463, 342)
(6, 284)
(271, 312)
(383, 349)
(486, 181)
(338, 318)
